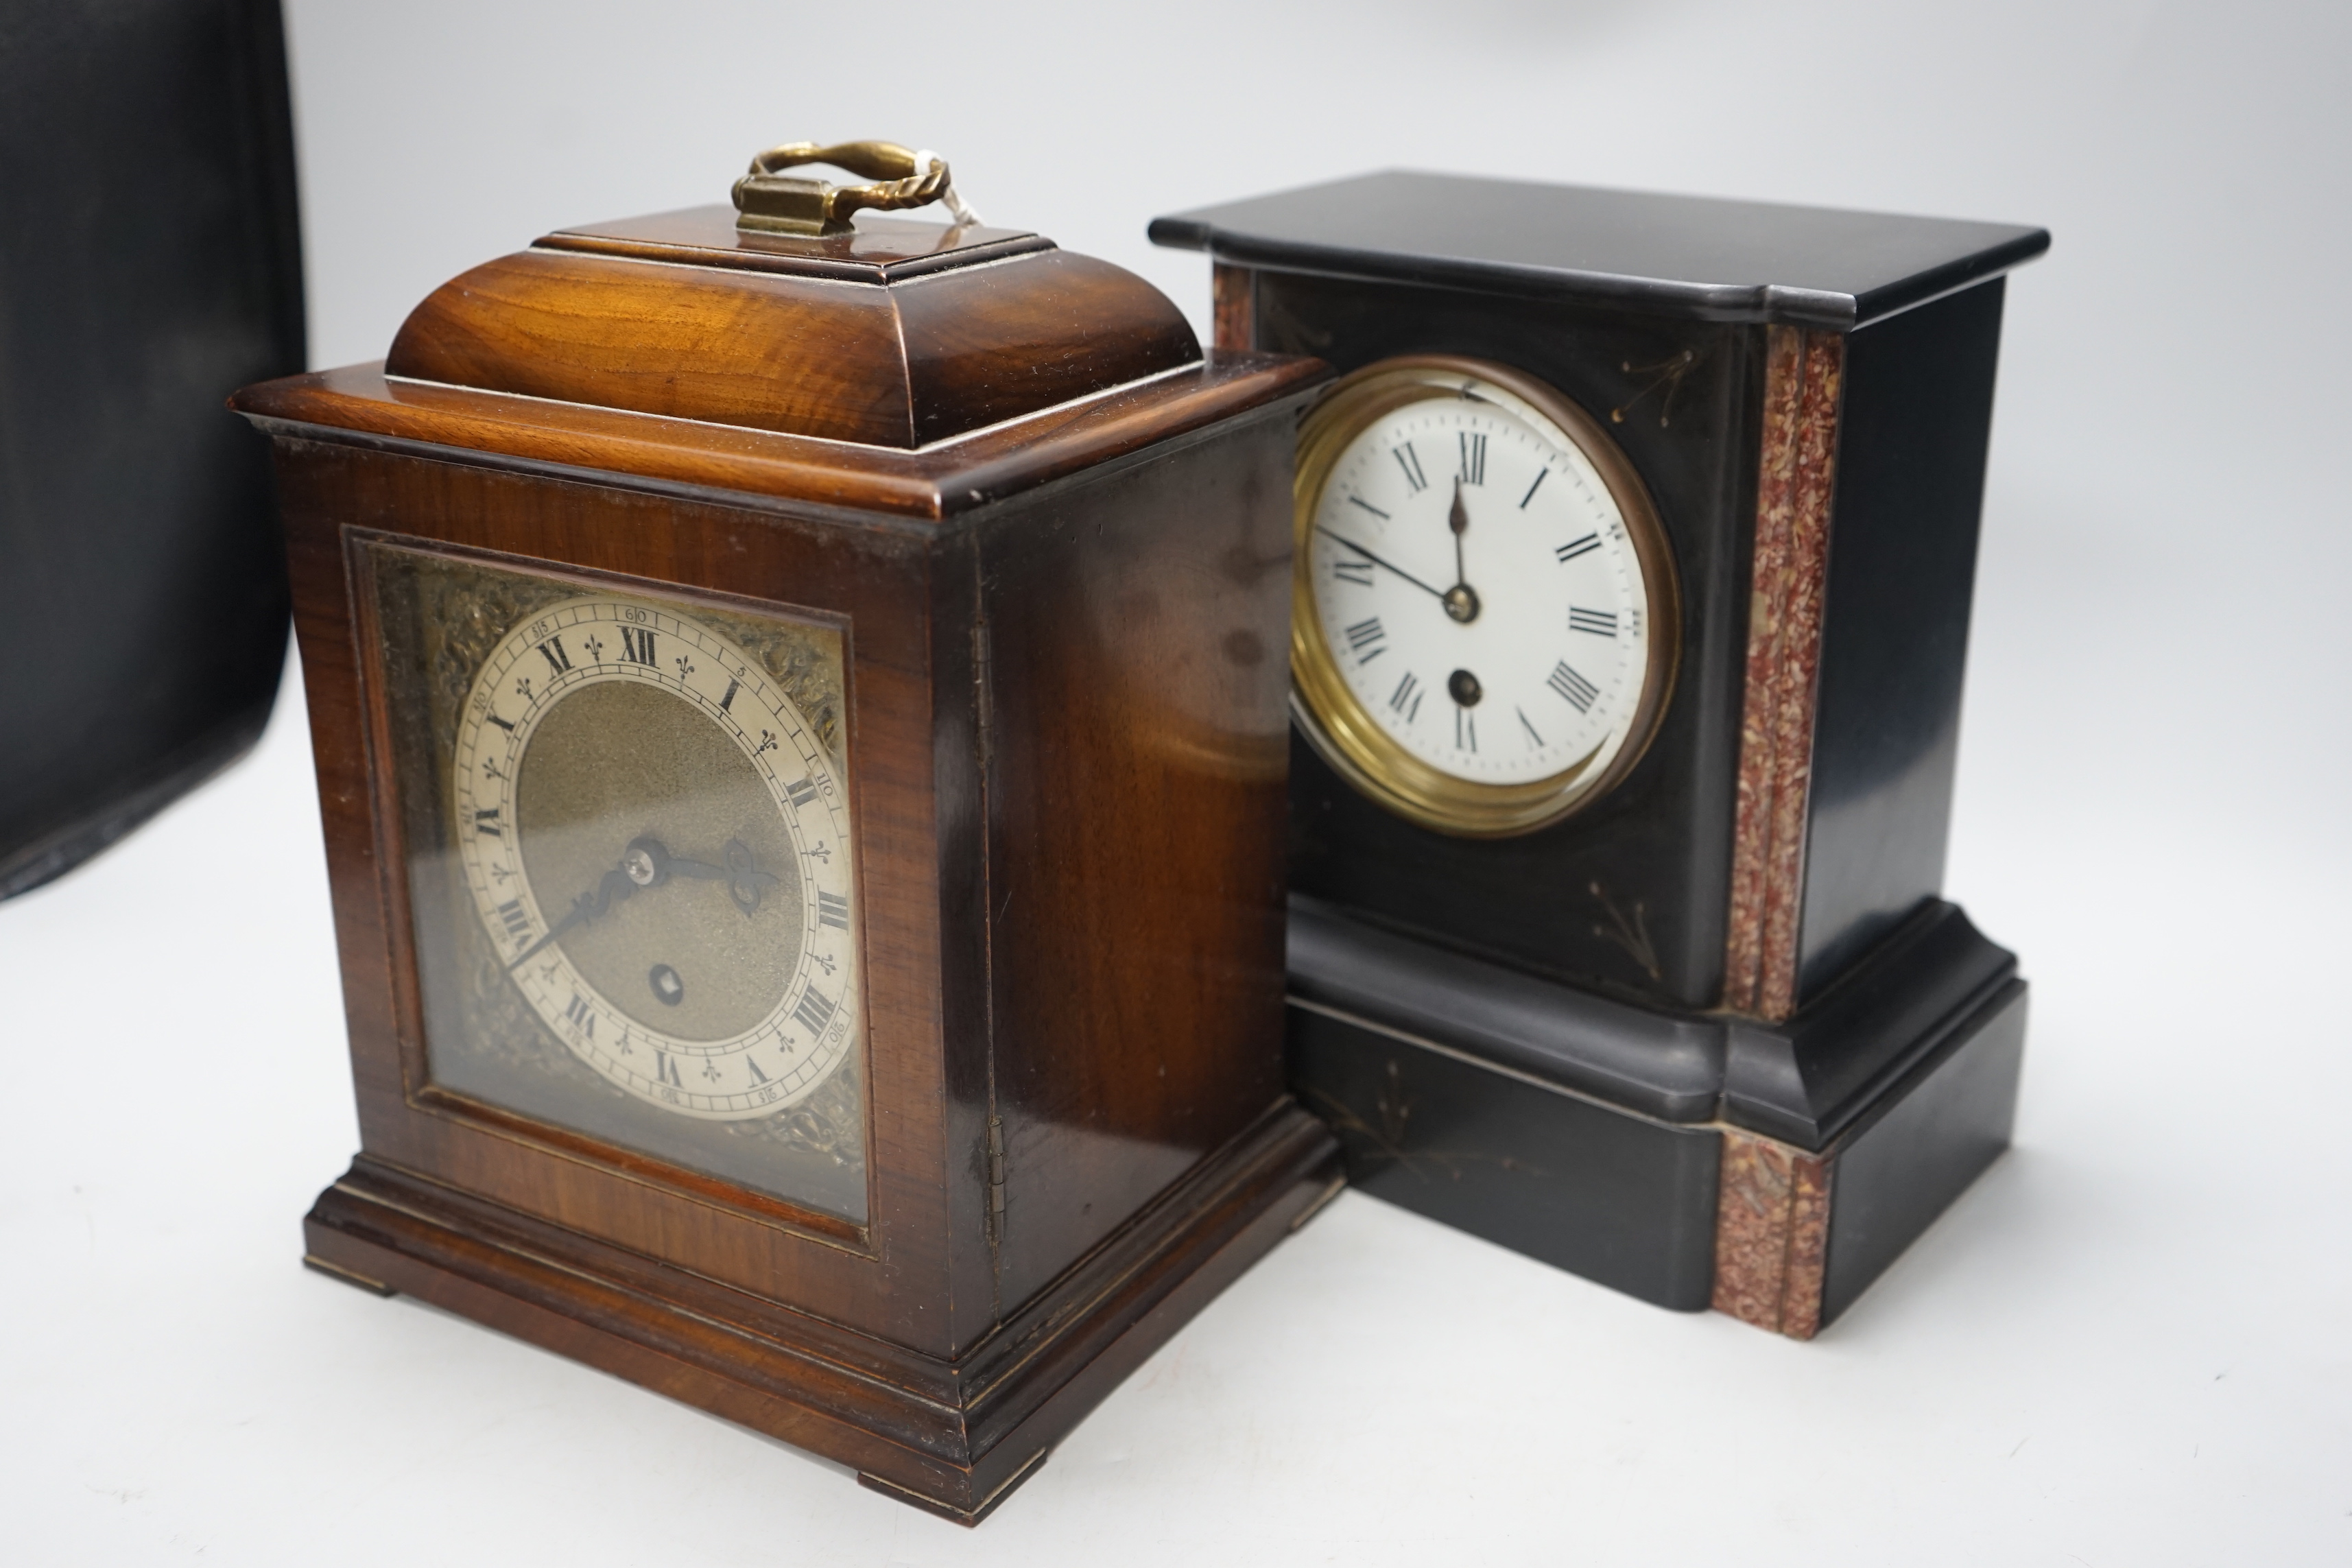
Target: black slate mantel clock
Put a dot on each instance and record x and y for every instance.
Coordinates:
(1633, 559)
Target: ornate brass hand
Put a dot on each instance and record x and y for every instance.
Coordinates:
(615, 888)
(745, 884)
(646, 863)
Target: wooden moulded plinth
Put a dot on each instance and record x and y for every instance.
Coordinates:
(951, 1436)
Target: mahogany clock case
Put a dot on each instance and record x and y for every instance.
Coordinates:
(1052, 535)
(1807, 396)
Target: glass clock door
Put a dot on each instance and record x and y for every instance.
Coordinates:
(631, 866)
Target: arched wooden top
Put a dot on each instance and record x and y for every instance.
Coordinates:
(897, 335)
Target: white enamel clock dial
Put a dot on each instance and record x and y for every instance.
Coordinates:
(658, 846)
(1481, 637)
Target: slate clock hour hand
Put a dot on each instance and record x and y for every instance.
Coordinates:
(1343, 539)
(1457, 518)
(1461, 600)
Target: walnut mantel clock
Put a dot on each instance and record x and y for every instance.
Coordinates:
(800, 710)
(1633, 559)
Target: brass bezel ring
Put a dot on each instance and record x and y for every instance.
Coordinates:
(1335, 721)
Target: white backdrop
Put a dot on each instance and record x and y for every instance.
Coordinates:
(2128, 1344)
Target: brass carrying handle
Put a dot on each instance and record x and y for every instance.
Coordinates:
(771, 202)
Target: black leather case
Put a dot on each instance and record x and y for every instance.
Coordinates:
(150, 265)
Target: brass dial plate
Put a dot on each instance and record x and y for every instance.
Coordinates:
(628, 837)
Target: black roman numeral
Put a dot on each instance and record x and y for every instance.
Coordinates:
(500, 722)
(1406, 698)
(1358, 500)
(581, 1016)
(1534, 740)
(1474, 457)
(1600, 623)
(1579, 691)
(801, 793)
(666, 1070)
(487, 821)
(518, 921)
(1533, 489)
(1576, 547)
(732, 688)
(1466, 730)
(833, 909)
(1410, 462)
(1360, 573)
(1365, 640)
(553, 651)
(814, 1013)
(637, 645)
(752, 1067)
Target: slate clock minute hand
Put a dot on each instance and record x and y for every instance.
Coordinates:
(1341, 539)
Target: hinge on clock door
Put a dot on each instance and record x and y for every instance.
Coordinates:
(995, 1180)
(983, 716)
